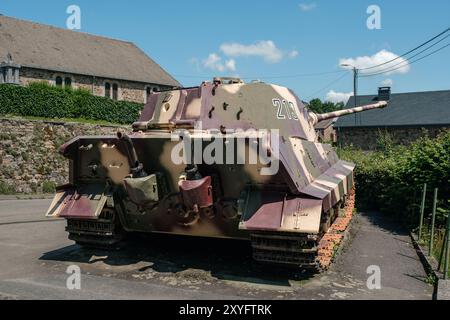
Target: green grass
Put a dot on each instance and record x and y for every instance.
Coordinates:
(438, 243)
(48, 187)
(76, 120)
(6, 188)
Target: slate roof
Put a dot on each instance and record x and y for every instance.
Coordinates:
(325, 123)
(46, 47)
(429, 108)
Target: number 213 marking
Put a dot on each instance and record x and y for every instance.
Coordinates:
(286, 109)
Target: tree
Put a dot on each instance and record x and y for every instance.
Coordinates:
(317, 106)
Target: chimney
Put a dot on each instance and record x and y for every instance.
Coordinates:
(384, 93)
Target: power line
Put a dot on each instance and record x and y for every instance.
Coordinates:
(269, 77)
(410, 51)
(388, 69)
(328, 85)
(408, 62)
(297, 75)
(422, 51)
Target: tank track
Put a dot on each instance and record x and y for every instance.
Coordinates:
(309, 252)
(104, 233)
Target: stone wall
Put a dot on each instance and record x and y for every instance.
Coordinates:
(29, 158)
(326, 135)
(128, 90)
(368, 138)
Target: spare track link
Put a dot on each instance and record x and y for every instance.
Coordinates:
(310, 252)
(104, 233)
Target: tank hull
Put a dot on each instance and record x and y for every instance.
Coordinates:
(236, 161)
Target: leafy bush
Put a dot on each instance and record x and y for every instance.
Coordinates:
(48, 187)
(6, 188)
(42, 100)
(392, 179)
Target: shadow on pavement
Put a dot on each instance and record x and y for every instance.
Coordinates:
(391, 224)
(225, 259)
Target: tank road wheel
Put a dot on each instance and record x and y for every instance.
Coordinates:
(104, 233)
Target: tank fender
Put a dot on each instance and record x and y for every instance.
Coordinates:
(276, 211)
(80, 202)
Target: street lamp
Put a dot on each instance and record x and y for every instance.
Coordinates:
(355, 85)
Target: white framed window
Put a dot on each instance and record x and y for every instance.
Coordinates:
(107, 89)
(59, 81)
(67, 82)
(63, 81)
(115, 91)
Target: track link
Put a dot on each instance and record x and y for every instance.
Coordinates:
(104, 233)
(290, 250)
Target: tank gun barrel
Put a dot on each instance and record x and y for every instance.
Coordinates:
(324, 116)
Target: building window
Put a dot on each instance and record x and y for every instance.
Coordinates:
(59, 81)
(115, 91)
(107, 90)
(67, 82)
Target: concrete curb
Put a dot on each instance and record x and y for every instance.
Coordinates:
(441, 286)
(26, 196)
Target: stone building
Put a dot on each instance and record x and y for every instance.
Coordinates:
(408, 117)
(106, 67)
(325, 131)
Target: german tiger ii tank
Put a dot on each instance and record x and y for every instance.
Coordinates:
(225, 159)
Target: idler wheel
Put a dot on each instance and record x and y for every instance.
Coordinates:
(229, 211)
(208, 212)
(187, 217)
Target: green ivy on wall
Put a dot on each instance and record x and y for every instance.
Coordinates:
(43, 100)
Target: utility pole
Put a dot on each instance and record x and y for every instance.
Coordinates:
(355, 87)
(355, 90)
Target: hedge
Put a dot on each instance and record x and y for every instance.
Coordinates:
(43, 100)
(391, 179)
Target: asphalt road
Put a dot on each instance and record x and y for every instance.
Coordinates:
(35, 254)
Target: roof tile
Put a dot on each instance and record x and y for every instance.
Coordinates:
(46, 47)
(427, 108)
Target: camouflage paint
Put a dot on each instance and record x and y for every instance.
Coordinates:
(230, 199)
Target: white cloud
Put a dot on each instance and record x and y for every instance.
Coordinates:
(335, 97)
(230, 65)
(387, 82)
(376, 59)
(307, 6)
(292, 54)
(214, 62)
(265, 49)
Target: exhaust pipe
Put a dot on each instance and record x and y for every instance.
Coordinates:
(137, 168)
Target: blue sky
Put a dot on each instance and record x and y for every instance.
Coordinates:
(195, 40)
